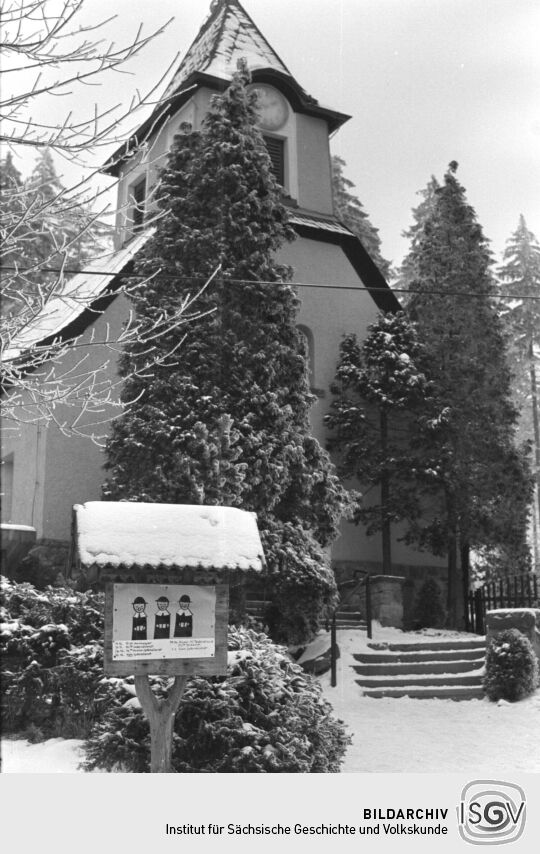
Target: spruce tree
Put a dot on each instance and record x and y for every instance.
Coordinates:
(44, 228)
(226, 420)
(380, 392)
(478, 480)
(420, 213)
(14, 251)
(63, 229)
(519, 277)
(349, 209)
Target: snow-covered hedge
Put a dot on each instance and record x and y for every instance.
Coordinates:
(265, 716)
(50, 659)
(511, 667)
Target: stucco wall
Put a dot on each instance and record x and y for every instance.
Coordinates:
(28, 444)
(52, 471)
(314, 178)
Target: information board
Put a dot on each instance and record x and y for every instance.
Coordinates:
(167, 628)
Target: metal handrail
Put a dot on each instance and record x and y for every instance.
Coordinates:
(353, 582)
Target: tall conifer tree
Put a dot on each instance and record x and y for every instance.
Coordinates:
(228, 421)
(519, 277)
(479, 480)
(14, 251)
(380, 392)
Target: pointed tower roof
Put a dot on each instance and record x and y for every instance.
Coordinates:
(227, 35)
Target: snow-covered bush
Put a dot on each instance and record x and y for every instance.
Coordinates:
(429, 612)
(511, 667)
(48, 680)
(266, 716)
(80, 613)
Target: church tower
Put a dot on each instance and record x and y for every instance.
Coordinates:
(295, 126)
(339, 286)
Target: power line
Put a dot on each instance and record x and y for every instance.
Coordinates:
(315, 285)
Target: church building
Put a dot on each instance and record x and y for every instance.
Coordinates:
(46, 472)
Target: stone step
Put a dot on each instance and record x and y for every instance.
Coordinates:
(351, 627)
(418, 680)
(453, 692)
(473, 643)
(420, 656)
(416, 667)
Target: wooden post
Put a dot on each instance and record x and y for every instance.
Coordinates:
(333, 651)
(160, 714)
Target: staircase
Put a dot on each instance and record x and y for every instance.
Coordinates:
(347, 616)
(444, 669)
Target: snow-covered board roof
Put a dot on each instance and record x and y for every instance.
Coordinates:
(76, 295)
(125, 533)
(227, 35)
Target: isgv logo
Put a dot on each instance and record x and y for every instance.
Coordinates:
(491, 812)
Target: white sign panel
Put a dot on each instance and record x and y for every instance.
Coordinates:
(157, 621)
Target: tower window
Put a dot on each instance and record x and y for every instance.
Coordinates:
(138, 198)
(276, 150)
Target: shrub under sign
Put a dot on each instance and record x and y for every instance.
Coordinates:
(167, 569)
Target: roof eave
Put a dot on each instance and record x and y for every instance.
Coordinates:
(361, 261)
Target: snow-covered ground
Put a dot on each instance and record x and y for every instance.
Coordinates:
(408, 735)
(55, 756)
(389, 735)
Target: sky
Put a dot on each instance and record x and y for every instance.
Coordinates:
(425, 82)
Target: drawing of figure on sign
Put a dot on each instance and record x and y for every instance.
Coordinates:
(138, 631)
(183, 627)
(162, 624)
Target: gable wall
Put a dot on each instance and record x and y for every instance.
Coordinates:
(314, 177)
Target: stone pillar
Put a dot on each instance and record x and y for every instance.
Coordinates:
(387, 599)
(527, 620)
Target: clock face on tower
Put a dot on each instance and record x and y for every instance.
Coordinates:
(272, 108)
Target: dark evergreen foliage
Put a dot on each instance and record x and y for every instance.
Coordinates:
(519, 278)
(226, 421)
(380, 392)
(511, 667)
(476, 479)
(429, 611)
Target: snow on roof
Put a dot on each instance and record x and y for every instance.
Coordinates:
(322, 223)
(227, 35)
(77, 294)
(8, 526)
(513, 611)
(125, 533)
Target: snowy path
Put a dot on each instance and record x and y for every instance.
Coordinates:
(406, 735)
